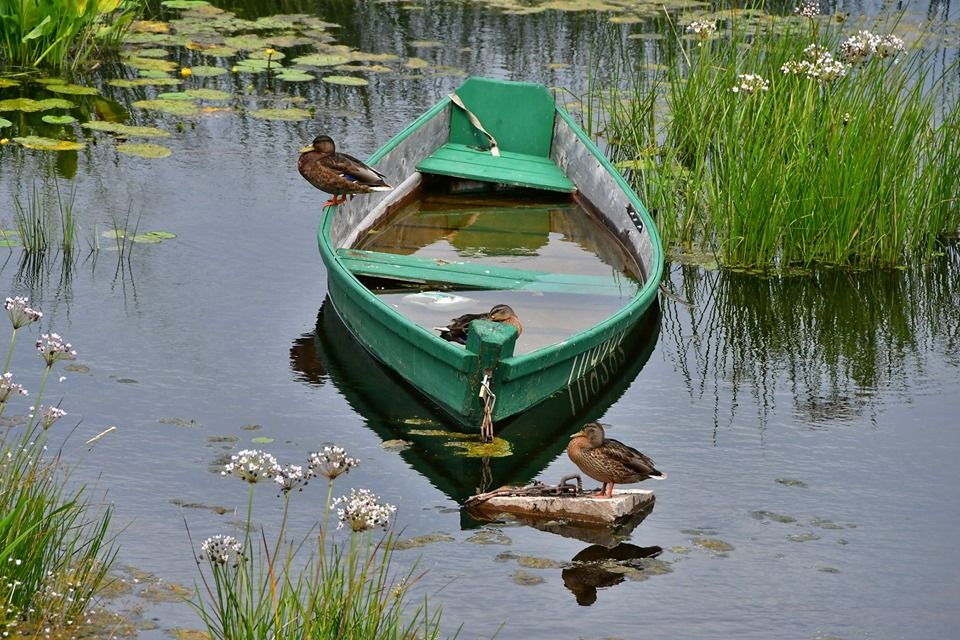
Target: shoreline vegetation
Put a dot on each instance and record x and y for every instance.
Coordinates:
(772, 143)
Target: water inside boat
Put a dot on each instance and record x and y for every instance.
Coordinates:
(526, 230)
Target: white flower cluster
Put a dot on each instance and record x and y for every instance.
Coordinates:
(808, 9)
(20, 312)
(290, 477)
(702, 28)
(252, 465)
(818, 64)
(222, 550)
(863, 44)
(750, 83)
(8, 387)
(331, 461)
(52, 348)
(49, 415)
(362, 511)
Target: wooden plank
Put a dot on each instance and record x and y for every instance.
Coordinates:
(509, 168)
(471, 275)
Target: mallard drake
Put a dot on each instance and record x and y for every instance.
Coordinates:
(609, 461)
(338, 174)
(456, 331)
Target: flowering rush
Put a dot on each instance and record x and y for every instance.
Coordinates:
(290, 477)
(863, 44)
(8, 387)
(20, 312)
(362, 510)
(808, 9)
(52, 348)
(331, 461)
(702, 28)
(818, 64)
(49, 415)
(251, 465)
(222, 550)
(750, 83)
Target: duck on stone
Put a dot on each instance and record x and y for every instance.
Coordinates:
(609, 461)
(456, 331)
(339, 174)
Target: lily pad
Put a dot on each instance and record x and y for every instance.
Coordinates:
(175, 107)
(293, 75)
(4, 123)
(220, 52)
(250, 66)
(162, 235)
(174, 95)
(208, 94)
(125, 129)
(58, 119)
(56, 103)
(321, 60)
(151, 64)
(204, 71)
(27, 105)
(184, 4)
(72, 89)
(262, 55)
(349, 81)
(291, 115)
(125, 83)
(416, 63)
(152, 52)
(262, 440)
(49, 144)
(152, 73)
(8, 82)
(144, 150)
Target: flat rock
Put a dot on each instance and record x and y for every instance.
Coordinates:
(583, 508)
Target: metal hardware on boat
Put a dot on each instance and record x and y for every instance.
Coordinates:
(635, 217)
(489, 400)
(533, 490)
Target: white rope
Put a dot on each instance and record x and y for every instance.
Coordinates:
(494, 150)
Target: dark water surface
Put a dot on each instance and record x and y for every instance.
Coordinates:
(808, 423)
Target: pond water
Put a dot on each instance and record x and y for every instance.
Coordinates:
(808, 423)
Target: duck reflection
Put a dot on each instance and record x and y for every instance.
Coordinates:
(599, 567)
(396, 411)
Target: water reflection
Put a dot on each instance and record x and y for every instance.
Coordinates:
(828, 341)
(395, 411)
(599, 567)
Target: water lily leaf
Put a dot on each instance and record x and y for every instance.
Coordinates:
(261, 440)
(58, 119)
(125, 129)
(220, 52)
(293, 75)
(262, 55)
(175, 95)
(152, 52)
(144, 150)
(246, 42)
(321, 60)
(163, 235)
(4, 123)
(46, 81)
(8, 82)
(350, 81)
(149, 26)
(175, 107)
(250, 66)
(151, 64)
(208, 94)
(56, 103)
(27, 105)
(426, 44)
(72, 89)
(365, 68)
(363, 56)
(292, 114)
(152, 73)
(184, 4)
(416, 63)
(205, 71)
(126, 83)
(49, 144)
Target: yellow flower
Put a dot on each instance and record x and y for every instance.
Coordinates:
(185, 72)
(106, 6)
(4, 141)
(235, 69)
(271, 52)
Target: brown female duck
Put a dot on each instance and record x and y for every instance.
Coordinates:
(336, 173)
(609, 461)
(456, 331)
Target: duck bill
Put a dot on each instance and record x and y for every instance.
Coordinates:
(305, 149)
(577, 434)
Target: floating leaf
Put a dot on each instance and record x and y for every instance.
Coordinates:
(261, 440)
(72, 89)
(8, 82)
(293, 75)
(149, 26)
(246, 42)
(250, 66)
(175, 107)
(262, 55)
(205, 71)
(364, 68)
(174, 95)
(416, 63)
(144, 150)
(27, 105)
(292, 114)
(426, 44)
(125, 129)
(58, 119)
(49, 144)
(321, 60)
(350, 81)
(153, 52)
(153, 73)
(184, 4)
(363, 56)
(220, 52)
(56, 103)
(208, 94)
(151, 64)
(4, 123)
(46, 81)
(125, 83)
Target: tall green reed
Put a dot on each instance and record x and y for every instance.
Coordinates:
(258, 590)
(54, 550)
(780, 144)
(61, 33)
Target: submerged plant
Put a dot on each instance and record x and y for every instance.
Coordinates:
(344, 589)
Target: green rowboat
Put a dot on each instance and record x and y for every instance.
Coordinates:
(510, 139)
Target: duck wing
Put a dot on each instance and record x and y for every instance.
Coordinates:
(456, 331)
(630, 458)
(353, 169)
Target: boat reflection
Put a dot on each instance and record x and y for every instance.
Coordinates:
(441, 453)
(598, 567)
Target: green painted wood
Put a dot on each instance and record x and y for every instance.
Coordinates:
(511, 168)
(519, 115)
(470, 275)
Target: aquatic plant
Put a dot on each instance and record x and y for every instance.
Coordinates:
(54, 547)
(254, 589)
(762, 147)
(60, 33)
